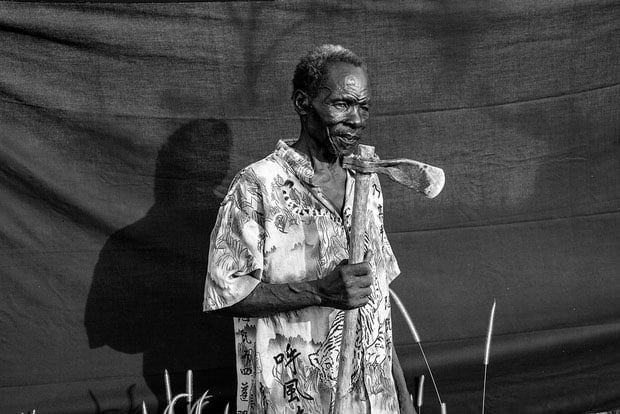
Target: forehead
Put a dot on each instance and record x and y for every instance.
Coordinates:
(344, 77)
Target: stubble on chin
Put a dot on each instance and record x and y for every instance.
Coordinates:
(341, 147)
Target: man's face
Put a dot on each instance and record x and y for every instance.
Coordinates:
(341, 109)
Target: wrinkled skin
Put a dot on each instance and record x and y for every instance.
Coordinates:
(332, 123)
(347, 286)
(339, 111)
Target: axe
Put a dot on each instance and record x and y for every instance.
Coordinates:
(423, 178)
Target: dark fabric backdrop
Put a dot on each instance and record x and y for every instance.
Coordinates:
(121, 125)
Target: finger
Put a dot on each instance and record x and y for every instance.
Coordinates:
(363, 281)
(358, 302)
(360, 269)
(365, 292)
(364, 298)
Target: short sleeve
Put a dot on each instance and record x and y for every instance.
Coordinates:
(236, 247)
(392, 270)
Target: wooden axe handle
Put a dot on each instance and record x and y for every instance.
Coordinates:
(356, 255)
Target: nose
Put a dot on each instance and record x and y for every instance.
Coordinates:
(356, 118)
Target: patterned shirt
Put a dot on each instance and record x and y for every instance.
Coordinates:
(275, 226)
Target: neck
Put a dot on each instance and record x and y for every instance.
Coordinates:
(320, 155)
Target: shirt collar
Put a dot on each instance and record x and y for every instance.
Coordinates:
(298, 162)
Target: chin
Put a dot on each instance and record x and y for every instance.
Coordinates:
(343, 145)
(346, 149)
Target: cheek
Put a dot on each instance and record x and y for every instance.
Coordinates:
(333, 116)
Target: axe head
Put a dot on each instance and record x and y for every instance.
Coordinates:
(418, 176)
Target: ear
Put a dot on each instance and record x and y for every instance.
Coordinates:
(301, 100)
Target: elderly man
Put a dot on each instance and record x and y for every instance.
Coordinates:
(278, 258)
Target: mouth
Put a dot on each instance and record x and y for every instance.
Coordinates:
(348, 139)
(344, 144)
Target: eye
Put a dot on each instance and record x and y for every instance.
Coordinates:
(343, 106)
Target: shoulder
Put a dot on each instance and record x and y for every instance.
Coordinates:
(257, 177)
(267, 167)
(262, 172)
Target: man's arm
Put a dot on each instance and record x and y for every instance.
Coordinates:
(345, 287)
(404, 398)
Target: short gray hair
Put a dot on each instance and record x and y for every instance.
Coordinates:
(312, 68)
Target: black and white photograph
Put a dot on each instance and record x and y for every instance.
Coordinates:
(310, 207)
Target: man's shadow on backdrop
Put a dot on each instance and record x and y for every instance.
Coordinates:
(147, 289)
